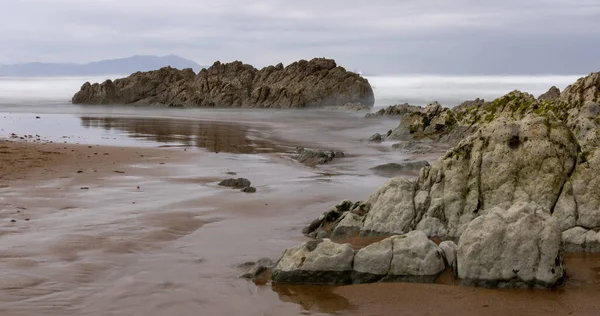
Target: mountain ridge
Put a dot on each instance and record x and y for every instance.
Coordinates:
(124, 65)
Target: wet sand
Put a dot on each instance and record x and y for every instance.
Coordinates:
(153, 234)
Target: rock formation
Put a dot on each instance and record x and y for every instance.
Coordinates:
(395, 110)
(410, 258)
(315, 262)
(313, 157)
(521, 188)
(485, 170)
(518, 247)
(319, 82)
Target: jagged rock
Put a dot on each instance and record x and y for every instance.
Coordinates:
(552, 95)
(312, 157)
(432, 122)
(505, 162)
(321, 227)
(449, 250)
(235, 183)
(395, 110)
(397, 168)
(259, 272)
(321, 262)
(477, 103)
(318, 82)
(408, 258)
(585, 89)
(518, 247)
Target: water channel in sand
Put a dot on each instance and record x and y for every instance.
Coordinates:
(164, 239)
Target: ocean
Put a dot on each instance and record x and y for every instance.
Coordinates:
(413, 89)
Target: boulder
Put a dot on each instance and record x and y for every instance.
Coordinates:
(248, 190)
(318, 82)
(235, 183)
(313, 157)
(320, 262)
(449, 250)
(406, 258)
(259, 272)
(516, 247)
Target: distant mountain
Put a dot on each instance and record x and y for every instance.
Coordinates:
(105, 67)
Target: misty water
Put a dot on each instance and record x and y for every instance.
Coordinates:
(414, 89)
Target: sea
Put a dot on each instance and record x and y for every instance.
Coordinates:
(389, 89)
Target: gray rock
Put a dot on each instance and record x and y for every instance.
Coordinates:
(258, 271)
(579, 239)
(505, 162)
(415, 258)
(585, 89)
(322, 225)
(249, 190)
(313, 157)
(235, 183)
(449, 250)
(320, 262)
(552, 95)
(318, 82)
(518, 247)
(373, 263)
(408, 258)
(395, 110)
(376, 138)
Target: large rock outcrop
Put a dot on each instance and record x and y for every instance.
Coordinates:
(578, 208)
(318, 82)
(518, 247)
(503, 163)
(453, 125)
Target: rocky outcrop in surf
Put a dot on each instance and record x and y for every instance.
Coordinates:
(318, 82)
(517, 192)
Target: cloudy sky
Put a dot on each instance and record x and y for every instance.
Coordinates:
(374, 36)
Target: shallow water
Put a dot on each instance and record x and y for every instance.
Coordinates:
(172, 247)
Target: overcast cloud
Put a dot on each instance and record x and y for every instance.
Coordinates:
(375, 36)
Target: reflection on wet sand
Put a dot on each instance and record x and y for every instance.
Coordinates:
(214, 136)
(319, 299)
(578, 297)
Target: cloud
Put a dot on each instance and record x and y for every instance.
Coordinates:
(384, 36)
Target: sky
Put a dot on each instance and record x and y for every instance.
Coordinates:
(461, 37)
